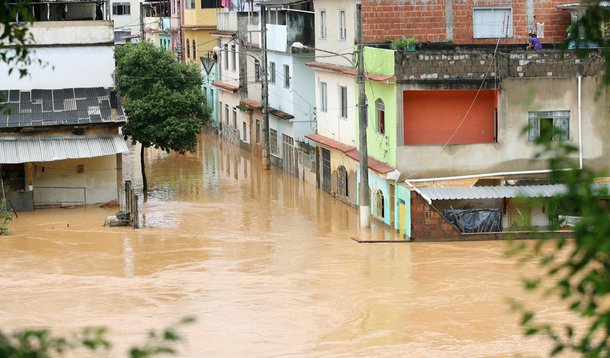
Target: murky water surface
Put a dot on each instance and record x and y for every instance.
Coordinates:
(267, 266)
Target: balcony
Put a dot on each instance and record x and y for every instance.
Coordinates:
(287, 27)
(226, 21)
(461, 66)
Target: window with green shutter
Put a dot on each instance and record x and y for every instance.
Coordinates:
(549, 125)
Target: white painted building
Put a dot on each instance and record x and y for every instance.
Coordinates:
(59, 139)
(126, 17)
(291, 89)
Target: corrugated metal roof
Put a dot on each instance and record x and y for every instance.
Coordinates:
(494, 192)
(51, 148)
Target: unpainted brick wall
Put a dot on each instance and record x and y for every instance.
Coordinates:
(431, 66)
(385, 20)
(427, 223)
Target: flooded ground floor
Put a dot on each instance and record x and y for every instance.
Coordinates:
(266, 264)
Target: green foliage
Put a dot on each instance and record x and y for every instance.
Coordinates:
(41, 343)
(404, 43)
(591, 30)
(5, 217)
(14, 37)
(576, 270)
(162, 98)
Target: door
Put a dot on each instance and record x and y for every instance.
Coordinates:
(392, 208)
(401, 218)
(326, 170)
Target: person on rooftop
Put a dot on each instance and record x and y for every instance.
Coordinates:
(534, 43)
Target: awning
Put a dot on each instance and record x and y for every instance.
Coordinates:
(51, 148)
(329, 142)
(329, 67)
(226, 86)
(495, 192)
(280, 114)
(374, 164)
(250, 103)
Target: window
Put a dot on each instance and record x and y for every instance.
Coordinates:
(189, 4)
(121, 8)
(322, 24)
(323, 97)
(273, 141)
(257, 71)
(343, 97)
(188, 48)
(233, 58)
(380, 116)
(492, 23)
(208, 4)
(235, 117)
(286, 76)
(272, 72)
(379, 205)
(551, 126)
(258, 131)
(243, 130)
(226, 48)
(342, 25)
(194, 51)
(227, 114)
(219, 112)
(120, 34)
(342, 188)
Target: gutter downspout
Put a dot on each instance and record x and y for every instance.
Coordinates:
(580, 156)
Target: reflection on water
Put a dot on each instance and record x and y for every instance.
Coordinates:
(266, 264)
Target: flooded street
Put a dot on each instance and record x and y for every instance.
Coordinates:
(266, 264)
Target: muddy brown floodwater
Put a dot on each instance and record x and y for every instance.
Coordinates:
(266, 265)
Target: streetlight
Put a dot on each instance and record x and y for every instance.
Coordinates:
(363, 203)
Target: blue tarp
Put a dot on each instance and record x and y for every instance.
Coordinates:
(475, 220)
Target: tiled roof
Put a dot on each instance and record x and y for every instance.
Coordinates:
(50, 148)
(322, 66)
(280, 114)
(226, 86)
(329, 142)
(67, 106)
(374, 164)
(250, 103)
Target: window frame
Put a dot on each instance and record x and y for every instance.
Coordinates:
(123, 6)
(343, 101)
(323, 28)
(188, 48)
(342, 23)
(273, 148)
(380, 115)
(477, 33)
(233, 58)
(271, 72)
(323, 96)
(560, 120)
(226, 59)
(257, 71)
(235, 117)
(286, 76)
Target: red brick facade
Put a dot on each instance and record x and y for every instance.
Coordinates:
(427, 223)
(385, 20)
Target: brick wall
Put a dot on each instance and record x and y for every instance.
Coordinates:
(427, 223)
(464, 65)
(428, 20)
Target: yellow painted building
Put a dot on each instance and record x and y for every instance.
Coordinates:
(198, 24)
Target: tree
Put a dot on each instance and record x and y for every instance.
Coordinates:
(42, 343)
(576, 270)
(15, 36)
(163, 99)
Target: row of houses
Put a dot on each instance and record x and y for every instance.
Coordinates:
(450, 114)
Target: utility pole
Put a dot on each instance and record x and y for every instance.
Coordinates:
(179, 47)
(363, 202)
(142, 36)
(265, 91)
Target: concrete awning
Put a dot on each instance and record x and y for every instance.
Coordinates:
(250, 103)
(226, 86)
(15, 150)
(329, 67)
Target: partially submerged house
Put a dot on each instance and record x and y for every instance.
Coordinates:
(59, 126)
